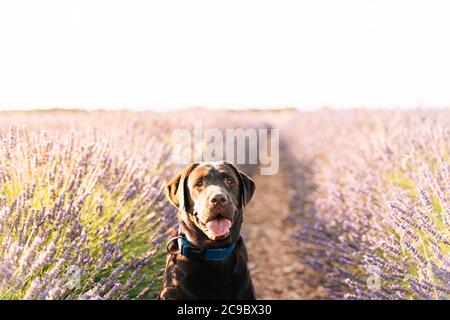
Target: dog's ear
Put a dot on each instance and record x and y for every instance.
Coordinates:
(248, 185)
(176, 189)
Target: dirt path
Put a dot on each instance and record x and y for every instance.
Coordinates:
(273, 258)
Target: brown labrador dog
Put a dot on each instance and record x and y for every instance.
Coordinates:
(208, 258)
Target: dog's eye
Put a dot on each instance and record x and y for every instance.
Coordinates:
(229, 181)
(200, 183)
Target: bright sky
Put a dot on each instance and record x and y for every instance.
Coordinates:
(232, 53)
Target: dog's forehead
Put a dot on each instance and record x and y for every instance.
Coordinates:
(208, 168)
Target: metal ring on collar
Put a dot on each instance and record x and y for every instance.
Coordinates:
(170, 241)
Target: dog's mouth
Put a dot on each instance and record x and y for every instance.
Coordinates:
(215, 229)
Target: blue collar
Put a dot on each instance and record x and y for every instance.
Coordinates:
(190, 251)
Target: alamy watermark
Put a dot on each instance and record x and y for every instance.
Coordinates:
(239, 146)
(374, 279)
(72, 277)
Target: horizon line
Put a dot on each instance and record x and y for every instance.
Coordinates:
(418, 106)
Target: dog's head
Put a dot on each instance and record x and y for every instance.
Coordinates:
(210, 197)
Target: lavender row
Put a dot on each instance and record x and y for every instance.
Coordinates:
(373, 201)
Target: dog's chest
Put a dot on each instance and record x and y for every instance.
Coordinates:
(204, 279)
(187, 279)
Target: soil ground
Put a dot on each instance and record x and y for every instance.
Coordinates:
(274, 262)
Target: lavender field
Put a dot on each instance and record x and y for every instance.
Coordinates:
(83, 213)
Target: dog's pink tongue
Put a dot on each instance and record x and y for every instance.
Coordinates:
(219, 227)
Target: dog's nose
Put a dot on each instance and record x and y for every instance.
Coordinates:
(219, 198)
